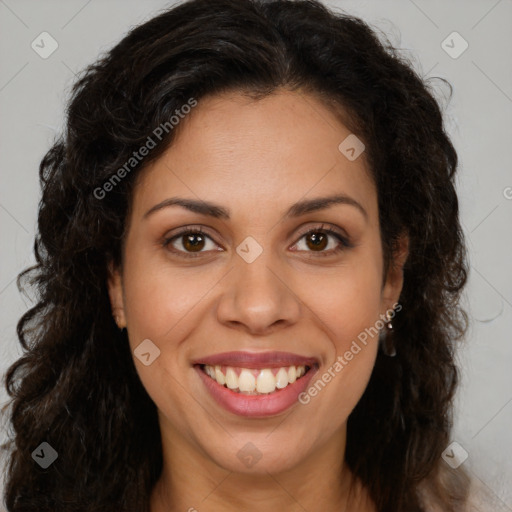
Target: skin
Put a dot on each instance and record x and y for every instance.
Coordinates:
(255, 158)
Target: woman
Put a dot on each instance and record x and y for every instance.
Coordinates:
(249, 262)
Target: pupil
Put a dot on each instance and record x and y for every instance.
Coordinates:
(189, 243)
(318, 240)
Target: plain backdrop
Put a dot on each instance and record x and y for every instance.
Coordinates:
(33, 95)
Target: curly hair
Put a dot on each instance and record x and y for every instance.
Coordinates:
(76, 386)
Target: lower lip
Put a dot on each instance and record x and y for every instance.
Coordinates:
(256, 406)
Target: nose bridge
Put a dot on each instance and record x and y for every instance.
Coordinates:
(258, 294)
(257, 277)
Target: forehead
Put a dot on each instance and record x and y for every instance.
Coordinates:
(242, 152)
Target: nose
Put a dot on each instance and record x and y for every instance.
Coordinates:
(258, 297)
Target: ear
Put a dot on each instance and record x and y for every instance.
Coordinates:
(115, 292)
(395, 278)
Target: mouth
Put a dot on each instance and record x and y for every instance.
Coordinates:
(256, 384)
(250, 381)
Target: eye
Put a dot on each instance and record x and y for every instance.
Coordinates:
(317, 240)
(191, 240)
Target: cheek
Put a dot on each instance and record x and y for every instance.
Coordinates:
(349, 309)
(164, 305)
(347, 299)
(160, 300)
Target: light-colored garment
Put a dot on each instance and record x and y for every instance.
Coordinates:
(483, 499)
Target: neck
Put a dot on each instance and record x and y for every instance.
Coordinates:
(192, 481)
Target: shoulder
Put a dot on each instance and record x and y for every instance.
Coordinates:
(476, 497)
(483, 499)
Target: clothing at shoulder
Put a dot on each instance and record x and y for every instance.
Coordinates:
(483, 499)
(479, 499)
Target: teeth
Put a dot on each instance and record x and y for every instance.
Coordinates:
(231, 379)
(292, 374)
(252, 381)
(281, 378)
(246, 381)
(217, 375)
(266, 382)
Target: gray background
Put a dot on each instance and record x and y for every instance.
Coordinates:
(33, 93)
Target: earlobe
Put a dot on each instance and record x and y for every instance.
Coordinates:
(115, 292)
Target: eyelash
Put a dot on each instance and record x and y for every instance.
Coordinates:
(344, 242)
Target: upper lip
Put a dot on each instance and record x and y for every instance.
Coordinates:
(256, 359)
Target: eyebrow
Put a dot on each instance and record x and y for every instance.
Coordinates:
(219, 212)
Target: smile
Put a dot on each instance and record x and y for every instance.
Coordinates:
(255, 384)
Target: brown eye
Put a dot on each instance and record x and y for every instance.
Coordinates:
(193, 242)
(317, 241)
(189, 243)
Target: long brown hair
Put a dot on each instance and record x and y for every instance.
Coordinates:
(76, 387)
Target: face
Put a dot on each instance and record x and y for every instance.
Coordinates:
(252, 293)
